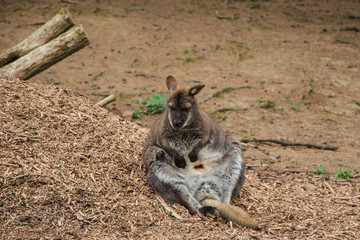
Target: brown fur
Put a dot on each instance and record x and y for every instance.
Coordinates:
(187, 156)
(203, 124)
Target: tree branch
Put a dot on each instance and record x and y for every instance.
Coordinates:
(290, 143)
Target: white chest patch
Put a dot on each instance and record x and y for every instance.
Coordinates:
(209, 161)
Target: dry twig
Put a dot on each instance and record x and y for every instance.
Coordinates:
(105, 101)
(167, 208)
(291, 143)
(9, 165)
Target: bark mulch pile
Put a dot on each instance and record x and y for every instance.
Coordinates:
(70, 170)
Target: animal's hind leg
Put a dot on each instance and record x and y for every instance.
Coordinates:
(166, 180)
(234, 174)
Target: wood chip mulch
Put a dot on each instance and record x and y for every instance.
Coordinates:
(69, 170)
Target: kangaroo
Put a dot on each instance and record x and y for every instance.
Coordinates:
(189, 159)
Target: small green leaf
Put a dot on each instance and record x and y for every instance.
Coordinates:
(344, 174)
(150, 105)
(320, 170)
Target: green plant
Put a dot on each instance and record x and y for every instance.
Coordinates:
(138, 112)
(344, 174)
(222, 92)
(295, 106)
(193, 59)
(266, 103)
(150, 106)
(320, 170)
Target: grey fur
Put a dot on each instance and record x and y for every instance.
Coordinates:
(183, 165)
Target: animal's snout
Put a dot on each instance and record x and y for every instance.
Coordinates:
(177, 123)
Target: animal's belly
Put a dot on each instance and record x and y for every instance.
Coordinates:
(211, 174)
(209, 162)
(205, 171)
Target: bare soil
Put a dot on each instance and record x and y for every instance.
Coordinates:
(292, 70)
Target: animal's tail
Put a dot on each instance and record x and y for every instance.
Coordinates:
(231, 213)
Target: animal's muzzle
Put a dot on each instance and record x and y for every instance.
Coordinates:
(177, 123)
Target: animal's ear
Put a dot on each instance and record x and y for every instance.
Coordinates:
(171, 83)
(195, 89)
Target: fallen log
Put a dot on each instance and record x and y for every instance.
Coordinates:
(48, 54)
(50, 30)
(290, 143)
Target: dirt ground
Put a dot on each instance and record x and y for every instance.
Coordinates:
(284, 70)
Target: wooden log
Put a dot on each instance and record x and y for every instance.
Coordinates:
(48, 54)
(50, 30)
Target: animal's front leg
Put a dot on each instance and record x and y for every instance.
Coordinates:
(194, 154)
(205, 140)
(178, 160)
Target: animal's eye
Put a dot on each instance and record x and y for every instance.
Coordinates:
(187, 106)
(171, 107)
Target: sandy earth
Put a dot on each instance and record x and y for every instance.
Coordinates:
(297, 54)
(302, 56)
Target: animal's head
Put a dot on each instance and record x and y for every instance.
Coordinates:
(181, 107)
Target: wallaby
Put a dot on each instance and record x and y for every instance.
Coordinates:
(189, 160)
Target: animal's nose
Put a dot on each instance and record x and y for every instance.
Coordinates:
(177, 123)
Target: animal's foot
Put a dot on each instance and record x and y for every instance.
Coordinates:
(192, 212)
(209, 212)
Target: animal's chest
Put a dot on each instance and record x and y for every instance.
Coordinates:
(184, 142)
(209, 160)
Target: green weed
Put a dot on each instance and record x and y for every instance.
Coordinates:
(344, 174)
(200, 4)
(266, 103)
(302, 71)
(193, 59)
(295, 106)
(150, 106)
(353, 29)
(216, 46)
(320, 170)
(222, 92)
(191, 55)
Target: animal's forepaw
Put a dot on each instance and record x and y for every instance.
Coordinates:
(193, 156)
(180, 162)
(160, 156)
